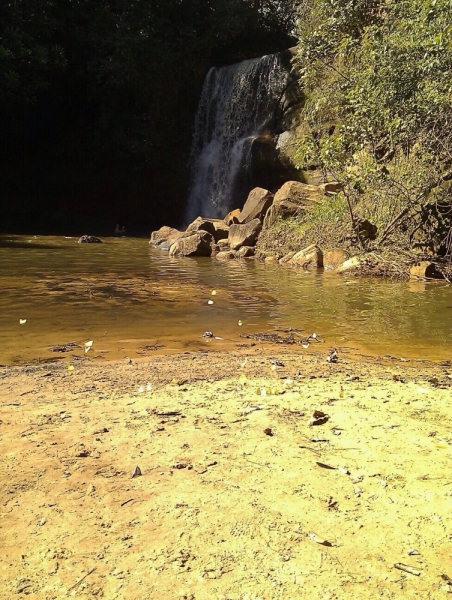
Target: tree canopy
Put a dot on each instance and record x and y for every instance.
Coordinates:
(97, 97)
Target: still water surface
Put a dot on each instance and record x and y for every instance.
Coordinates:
(125, 296)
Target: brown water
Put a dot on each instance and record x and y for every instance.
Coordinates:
(124, 296)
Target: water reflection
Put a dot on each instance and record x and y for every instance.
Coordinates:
(124, 296)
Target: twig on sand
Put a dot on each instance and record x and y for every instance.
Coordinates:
(127, 501)
(81, 580)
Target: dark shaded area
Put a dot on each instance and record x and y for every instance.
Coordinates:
(97, 102)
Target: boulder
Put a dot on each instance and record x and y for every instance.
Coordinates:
(227, 255)
(244, 235)
(164, 238)
(331, 188)
(287, 258)
(232, 217)
(221, 230)
(89, 239)
(308, 258)
(201, 224)
(292, 199)
(245, 252)
(302, 194)
(425, 270)
(198, 243)
(333, 258)
(223, 244)
(257, 204)
(349, 265)
(282, 210)
(216, 227)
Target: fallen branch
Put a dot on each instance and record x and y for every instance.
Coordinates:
(81, 580)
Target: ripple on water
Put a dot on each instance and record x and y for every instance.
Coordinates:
(124, 295)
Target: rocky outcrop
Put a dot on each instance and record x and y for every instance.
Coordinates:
(349, 265)
(198, 243)
(89, 239)
(245, 252)
(244, 235)
(292, 199)
(232, 217)
(164, 238)
(302, 194)
(287, 258)
(308, 258)
(256, 205)
(425, 270)
(223, 244)
(282, 210)
(331, 188)
(216, 227)
(226, 255)
(333, 258)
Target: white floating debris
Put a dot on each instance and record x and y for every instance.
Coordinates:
(209, 301)
(239, 323)
(22, 321)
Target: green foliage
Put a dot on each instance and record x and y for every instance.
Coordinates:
(379, 88)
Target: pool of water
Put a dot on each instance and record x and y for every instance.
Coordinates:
(132, 301)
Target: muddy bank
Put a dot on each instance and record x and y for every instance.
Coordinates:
(238, 497)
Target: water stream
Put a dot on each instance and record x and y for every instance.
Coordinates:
(237, 103)
(125, 297)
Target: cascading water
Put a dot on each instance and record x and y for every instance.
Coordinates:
(238, 103)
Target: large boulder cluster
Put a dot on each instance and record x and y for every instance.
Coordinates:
(236, 235)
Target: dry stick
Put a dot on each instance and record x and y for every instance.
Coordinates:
(127, 501)
(407, 569)
(80, 581)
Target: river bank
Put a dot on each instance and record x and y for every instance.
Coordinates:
(239, 497)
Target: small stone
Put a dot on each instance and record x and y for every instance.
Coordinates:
(136, 473)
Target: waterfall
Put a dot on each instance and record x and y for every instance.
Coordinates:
(237, 103)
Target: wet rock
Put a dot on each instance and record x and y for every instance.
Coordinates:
(89, 239)
(308, 258)
(333, 258)
(164, 238)
(198, 243)
(349, 265)
(256, 206)
(216, 227)
(287, 258)
(244, 235)
(425, 270)
(245, 252)
(226, 255)
(223, 245)
(232, 217)
(221, 230)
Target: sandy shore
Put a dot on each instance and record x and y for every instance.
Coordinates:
(239, 497)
